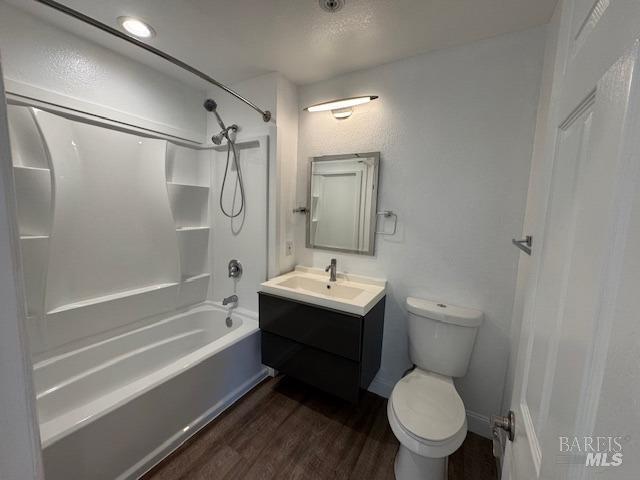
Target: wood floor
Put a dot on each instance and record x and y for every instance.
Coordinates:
(286, 430)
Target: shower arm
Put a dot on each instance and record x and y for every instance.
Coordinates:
(266, 114)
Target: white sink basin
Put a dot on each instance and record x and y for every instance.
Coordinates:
(350, 293)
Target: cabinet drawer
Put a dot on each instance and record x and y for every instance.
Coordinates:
(325, 329)
(331, 373)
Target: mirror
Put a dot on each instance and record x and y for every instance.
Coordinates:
(343, 191)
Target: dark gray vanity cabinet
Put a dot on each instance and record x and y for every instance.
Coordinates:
(334, 351)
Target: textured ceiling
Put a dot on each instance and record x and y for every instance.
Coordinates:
(234, 40)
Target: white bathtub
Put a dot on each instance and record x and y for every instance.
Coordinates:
(114, 408)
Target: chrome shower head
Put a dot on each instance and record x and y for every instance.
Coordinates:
(228, 132)
(210, 105)
(217, 139)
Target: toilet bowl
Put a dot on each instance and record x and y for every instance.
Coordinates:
(425, 412)
(427, 416)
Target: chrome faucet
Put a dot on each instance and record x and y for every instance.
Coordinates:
(332, 268)
(230, 299)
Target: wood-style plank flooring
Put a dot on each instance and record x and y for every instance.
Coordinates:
(284, 430)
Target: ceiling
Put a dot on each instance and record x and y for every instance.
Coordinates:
(233, 40)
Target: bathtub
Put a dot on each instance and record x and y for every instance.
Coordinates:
(114, 408)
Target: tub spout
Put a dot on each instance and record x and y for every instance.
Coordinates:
(230, 299)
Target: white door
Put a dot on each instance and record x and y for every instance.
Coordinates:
(578, 371)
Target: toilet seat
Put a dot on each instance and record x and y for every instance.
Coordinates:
(427, 414)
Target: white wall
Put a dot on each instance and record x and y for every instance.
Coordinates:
(287, 153)
(455, 131)
(44, 62)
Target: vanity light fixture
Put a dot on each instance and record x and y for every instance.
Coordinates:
(341, 108)
(136, 27)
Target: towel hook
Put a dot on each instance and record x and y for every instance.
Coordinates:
(525, 244)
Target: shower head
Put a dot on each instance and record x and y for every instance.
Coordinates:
(229, 133)
(217, 139)
(210, 105)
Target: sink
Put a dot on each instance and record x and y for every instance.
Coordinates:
(317, 287)
(349, 293)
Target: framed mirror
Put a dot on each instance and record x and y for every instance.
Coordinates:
(342, 202)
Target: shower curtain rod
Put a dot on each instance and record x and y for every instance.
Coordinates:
(266, 114)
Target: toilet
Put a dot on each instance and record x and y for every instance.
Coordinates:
(425, 411)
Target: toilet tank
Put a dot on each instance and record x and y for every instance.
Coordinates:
(441, 336)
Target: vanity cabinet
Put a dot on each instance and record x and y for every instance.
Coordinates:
(334, 351)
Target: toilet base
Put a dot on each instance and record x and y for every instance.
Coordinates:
(410, 466)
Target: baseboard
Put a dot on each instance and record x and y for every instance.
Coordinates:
(176, 440)
(478, 424)
(382, 387)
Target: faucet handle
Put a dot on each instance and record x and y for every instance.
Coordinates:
(332, 268)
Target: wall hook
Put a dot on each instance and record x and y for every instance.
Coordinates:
(525, 244)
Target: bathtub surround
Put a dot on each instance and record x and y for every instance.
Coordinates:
(455, 131)
(114, 232)
(277, 94)
(114, 241)
(20, 441)
(103, 231)
(244, 237)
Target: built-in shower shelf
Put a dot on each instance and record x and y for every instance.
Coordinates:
(36, 169)
(188, 185)
(193, 278)
(192, 229)
(189, 204)
(112, 297)
(33, 196)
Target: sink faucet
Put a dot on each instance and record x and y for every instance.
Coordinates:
(332, 268)
(230, 299)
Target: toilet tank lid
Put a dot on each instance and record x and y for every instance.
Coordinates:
(465, 317)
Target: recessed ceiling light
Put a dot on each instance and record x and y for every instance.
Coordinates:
(136, 27)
